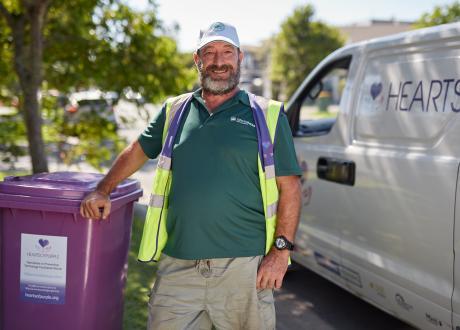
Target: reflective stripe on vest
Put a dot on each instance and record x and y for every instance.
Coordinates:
(266, 113)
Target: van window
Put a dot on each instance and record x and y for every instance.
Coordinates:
(320, 101)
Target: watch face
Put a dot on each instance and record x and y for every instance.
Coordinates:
(280, 243)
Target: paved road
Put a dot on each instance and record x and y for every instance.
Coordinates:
(308, 301)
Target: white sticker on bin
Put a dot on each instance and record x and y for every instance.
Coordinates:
(43, 268)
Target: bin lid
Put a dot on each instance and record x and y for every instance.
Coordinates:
(61, 185)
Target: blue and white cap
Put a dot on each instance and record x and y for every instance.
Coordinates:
(218, 31)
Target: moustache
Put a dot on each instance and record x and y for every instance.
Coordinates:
(219, 68)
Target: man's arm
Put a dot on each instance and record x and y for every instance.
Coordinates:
(127, 162)
(274, 265)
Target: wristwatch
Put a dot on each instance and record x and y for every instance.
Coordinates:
(282, 243)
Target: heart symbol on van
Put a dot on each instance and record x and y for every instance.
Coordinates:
(43, 242)
(376, 89)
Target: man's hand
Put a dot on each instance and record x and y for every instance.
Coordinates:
(272, 269)
(128, 162)
(92, 205)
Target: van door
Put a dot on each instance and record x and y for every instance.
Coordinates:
(400, 238)
(318, 118)
(456, 295)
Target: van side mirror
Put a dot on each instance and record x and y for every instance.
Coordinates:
(314, 92)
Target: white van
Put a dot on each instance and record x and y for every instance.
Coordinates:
(377, 131)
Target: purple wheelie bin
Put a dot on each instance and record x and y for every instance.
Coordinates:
(59, 270)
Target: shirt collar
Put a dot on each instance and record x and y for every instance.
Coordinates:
(241, 96)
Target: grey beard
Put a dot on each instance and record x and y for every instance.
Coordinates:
(218, 87)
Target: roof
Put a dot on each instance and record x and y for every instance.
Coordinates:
(373, 29)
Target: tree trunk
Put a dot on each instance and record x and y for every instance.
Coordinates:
(33, 121)
(32, 114)
(27, 29)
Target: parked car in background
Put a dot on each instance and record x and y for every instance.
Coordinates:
(381, 165)
(91, 102)
(130, 95)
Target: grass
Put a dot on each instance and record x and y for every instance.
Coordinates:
(4, 174)
(141, 277)
(323, 114)
(310, 112)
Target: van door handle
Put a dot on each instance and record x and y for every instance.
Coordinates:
(336, 170)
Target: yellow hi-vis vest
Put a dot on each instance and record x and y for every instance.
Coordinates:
(266, 113)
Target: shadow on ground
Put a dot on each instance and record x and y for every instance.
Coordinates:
(307, 301)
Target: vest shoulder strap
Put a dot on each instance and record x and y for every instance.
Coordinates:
(271, 110)
(172, 105)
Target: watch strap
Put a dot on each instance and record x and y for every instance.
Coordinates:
(288, 244)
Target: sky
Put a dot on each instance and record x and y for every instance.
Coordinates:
(257, 20)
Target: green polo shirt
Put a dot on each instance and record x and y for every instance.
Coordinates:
(215, 203)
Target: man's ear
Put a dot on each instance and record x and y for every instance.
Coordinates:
(196, 58)
(240, 56)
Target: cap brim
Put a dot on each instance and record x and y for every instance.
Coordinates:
(206, 41)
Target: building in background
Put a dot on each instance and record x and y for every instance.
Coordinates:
(255, 69)
(373, 29)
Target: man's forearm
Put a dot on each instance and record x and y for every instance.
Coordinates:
(289, 204)
(128, 161)
(274, 265)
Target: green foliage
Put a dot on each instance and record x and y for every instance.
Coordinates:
(190, 70)
(97, 144)
(301, 44)
(440, 15)
(13, 6)
(12, 138)
(94, 139)
(7, 76)
(112, 47)
(92, 43)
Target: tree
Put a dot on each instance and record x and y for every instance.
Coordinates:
(66, 45)
(440, 15)
(301, 44)
(25, 21)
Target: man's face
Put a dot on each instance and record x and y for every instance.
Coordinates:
(218, 66)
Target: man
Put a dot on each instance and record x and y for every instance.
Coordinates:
(216, 206)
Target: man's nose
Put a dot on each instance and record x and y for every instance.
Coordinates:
(218, 59)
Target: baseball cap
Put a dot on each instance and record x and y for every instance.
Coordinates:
(218, 31)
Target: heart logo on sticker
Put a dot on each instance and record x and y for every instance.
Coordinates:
(376, 89)
(43, 242)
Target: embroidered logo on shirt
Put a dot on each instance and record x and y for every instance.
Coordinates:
(241, 121)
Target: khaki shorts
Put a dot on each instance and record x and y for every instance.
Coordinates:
(212, 293)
